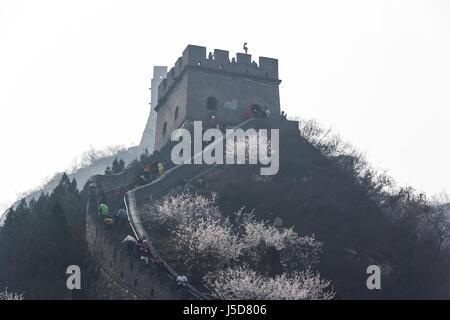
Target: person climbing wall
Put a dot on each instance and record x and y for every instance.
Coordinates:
(160, 169)
(121, 217)
(104, 210)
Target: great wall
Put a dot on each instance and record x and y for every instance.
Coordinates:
(196, 88)
(122, 277)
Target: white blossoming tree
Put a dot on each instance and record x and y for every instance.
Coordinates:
(208, 242)
(177, 210)
(7, 295)
(243, 283)
(296, 252)
(203, 236)
(281, 259)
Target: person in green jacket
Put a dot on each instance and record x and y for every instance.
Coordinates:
(104, 210)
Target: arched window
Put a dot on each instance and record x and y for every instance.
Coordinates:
(164, 128)
(211, 103)
(176, 113)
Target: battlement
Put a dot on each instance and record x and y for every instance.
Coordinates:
(195, 57)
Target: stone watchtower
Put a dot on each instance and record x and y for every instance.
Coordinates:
(199, 86)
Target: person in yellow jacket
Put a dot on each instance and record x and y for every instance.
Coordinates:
(160, 169)
(108, 221)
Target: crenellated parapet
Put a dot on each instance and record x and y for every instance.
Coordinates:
(196, 57)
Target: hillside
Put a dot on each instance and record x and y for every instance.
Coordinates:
(344, 217)
(326, 189)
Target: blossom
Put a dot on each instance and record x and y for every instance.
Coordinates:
(243, 283)
(7, 295)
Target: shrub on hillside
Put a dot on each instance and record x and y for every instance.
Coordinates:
(243, 283)
(8, 295)
(209, 242)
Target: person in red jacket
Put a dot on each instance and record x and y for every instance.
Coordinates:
(250, 113)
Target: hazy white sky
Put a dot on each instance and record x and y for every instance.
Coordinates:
(75, 74)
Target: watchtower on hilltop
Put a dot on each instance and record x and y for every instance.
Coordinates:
(199, 86)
